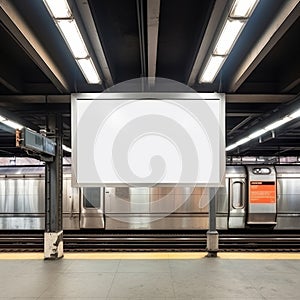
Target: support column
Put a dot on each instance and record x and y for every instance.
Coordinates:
(53, 237)
(212, 235)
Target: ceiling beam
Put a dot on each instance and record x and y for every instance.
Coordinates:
(258, 98)
(38, 108)
(18, 28)
(142, 41)
(290, 85)
(86, 17)
(17, 99)
(153, 10)
(239, 125)
(279, 26)
(208, 38)
(230, 98)
(241, 114)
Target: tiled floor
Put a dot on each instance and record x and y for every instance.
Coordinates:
(151, 277)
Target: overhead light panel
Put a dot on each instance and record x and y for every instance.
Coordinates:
(266, 129)
(243, 8)
(238, 16)
(73, 38)
(212, 68)
(228, 36)
(10, 123)
(67, 25)
(89, 71)
(58, 8)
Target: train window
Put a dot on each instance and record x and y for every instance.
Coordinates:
(263, 171)
(237, 195)
(91, 197)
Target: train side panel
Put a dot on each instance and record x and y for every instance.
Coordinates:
(20, 200)
(22, 203)
(164, 208)
(288, 197)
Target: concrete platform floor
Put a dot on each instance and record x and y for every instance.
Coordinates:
(151, 276)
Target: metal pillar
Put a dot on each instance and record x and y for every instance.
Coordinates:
(53, 237)
(212, 235)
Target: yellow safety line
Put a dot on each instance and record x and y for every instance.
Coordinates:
(145, 255)
(259, 255)
(21, 256)
(156, 255)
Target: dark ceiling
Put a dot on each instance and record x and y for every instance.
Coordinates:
(260, 76)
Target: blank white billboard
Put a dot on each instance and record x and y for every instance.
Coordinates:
(146, 139)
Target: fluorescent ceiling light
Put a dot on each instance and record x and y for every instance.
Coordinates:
(73, 38)
(231, 147)
(66, 148)
(277, 123)
(228, 36)
(89, 71)
(242, 8)
(10, 123)
(295, 114)
(212, 68)
(270, 127)
(257, 133)
(232, 28)
(65, 21)
(58, 8)
(242, 141)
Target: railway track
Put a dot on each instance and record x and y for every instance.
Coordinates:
(152, 242)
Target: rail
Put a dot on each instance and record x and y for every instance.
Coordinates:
(152, 242)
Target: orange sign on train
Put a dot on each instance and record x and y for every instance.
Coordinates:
(262, 192)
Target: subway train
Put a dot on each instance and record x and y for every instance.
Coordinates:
(254, 196)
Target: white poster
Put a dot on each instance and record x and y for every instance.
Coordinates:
(146, 139)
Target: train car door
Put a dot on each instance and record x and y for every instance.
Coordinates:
(92, 208)
(71, 208)
(237, 196)
(261, 195)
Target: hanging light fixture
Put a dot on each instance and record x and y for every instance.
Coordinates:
(67, 25)
(236, 20)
